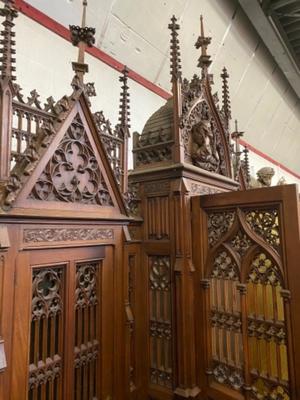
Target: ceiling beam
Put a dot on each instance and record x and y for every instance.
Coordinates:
(269, 33)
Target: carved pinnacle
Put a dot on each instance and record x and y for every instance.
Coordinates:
(246, 165)
(124, 107)
(175, 50)
(7, 42)
(225, 95)
(202, 43)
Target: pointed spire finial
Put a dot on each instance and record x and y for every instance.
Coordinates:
(7, 42)
(246, 165)
(225, 96)
(203, 42)
(124, 107)
(175, 50)
(83, 37)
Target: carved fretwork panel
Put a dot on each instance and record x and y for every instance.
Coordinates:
(113, 141)
(87, 327)
(265, 223)
(46, 335)
(73, 174)
(245, 289)
(267, 331)
(158, 218)
(27, 120)
(160, 324)
(226, 323)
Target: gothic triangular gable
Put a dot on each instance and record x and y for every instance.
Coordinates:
(73, 173)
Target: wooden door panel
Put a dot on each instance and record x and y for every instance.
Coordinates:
(247, 250)
(58, 327)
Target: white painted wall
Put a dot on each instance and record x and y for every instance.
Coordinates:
(44, 63)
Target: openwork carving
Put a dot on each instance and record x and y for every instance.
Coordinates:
(160, 305)
(219, 223)
(241, 243)
(264, 271)
(264, 390)
(224, 267)
(45, 352)
(224, 374)
(267, 330)
(223, 320)
(73, 173)
(86, 285)
(132, 199)
(86, 351)
(66, 234)
(113, 141)
(46, 372)
(160, 278)
(161, 329)
(265, 223)
(46, 301)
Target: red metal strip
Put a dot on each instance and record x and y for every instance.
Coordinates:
(268, 158)
(63, 32)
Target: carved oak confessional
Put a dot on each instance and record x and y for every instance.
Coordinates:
(118, 286)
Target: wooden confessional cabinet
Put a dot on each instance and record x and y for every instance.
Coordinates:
(173, 281)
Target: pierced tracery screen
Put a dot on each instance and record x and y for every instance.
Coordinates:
(246, 313)
(160, 320)
(87, 327)
(46, 337)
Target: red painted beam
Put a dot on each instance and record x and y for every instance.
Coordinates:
(268, 158)
(63, 32)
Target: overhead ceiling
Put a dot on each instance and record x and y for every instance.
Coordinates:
(135, 33)
(278, 24)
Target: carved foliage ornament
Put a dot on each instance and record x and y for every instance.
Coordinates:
(225, 375)
(224, 267)
(219, 223)
(66, 234)
(265, 223)
(264, 271)
(73, 174)
(86, 287)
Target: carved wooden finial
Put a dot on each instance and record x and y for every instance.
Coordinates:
(82, 36)
(236, 135)
(203, 42)
(246, 165)
(175, 50)
(124, 125)
(124, 112)
(225, 96)
(7, 42)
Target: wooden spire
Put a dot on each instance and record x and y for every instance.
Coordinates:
(7, 42)
(83, 37)
(225, 96)
(202, 43)
(124, 112)
(246, 165)
(124, 124)
(236, 135)
(175, 50)
(178, 155)
(7, 68)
